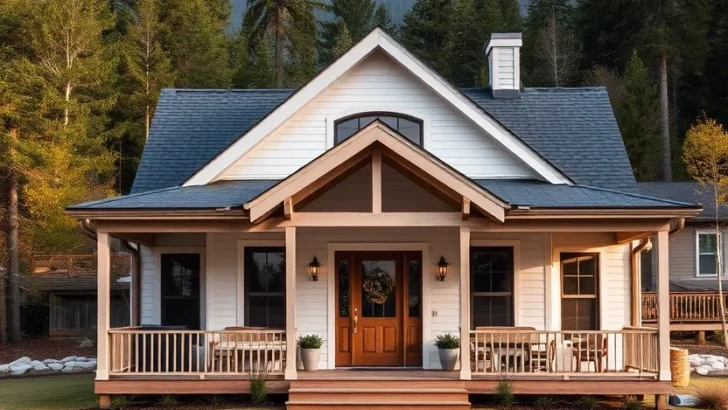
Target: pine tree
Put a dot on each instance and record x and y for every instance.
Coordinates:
(383, 19)
(342, 42)
(301, 66)
(192, 32)
(356, 15)
(637, 115)
(424, 31)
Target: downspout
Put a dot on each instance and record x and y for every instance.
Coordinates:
(679, 226)
(636, 282)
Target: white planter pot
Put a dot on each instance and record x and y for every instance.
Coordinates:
(310, 358)
(448, 358)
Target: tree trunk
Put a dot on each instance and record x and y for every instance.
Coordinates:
(12, 246)
(66, 110)
(665, 121)
(3, 309)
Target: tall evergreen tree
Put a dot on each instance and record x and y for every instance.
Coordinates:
(551, 50)
(301, 65)
(356, 15)
(192, 32)
(342, 42)
(425, 29)
(383, 19)
(252, 58)
(638, 117)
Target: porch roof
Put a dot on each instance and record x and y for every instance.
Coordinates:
(528, 193)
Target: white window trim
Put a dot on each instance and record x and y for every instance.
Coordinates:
(699, 232)
(199, 250)
(332, 118)
(516, 245)
(240, 261)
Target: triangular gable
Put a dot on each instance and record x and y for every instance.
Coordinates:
(356, 148)
(377, 39)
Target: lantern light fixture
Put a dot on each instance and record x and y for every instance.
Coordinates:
(313, 268)
(442, 269)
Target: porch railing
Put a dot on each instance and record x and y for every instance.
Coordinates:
(632, 351)
(136, 351)
(684, 306)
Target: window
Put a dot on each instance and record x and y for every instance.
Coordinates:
(265, 287)
(181, 290)
(707, 256)
(491, 284)
(579, 293)
(409, 127)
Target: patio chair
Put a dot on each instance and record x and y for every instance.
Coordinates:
(596, 351)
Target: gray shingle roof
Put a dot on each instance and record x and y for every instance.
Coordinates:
(685, 191)
(574, 129)
(535, 194)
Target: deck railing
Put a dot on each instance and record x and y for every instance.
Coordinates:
(684, 306)
(517, 351)
(136, 351)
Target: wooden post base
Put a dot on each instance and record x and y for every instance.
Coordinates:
(661, 401)
(701, 337)
(104, 401)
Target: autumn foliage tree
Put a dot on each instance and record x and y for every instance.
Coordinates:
(706, 156)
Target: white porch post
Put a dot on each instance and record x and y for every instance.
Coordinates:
(663, 303)
(103, 295)
(465, 303)
(290, 373)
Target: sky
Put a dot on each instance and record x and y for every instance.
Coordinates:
(397, 7)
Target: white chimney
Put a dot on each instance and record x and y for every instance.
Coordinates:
(504, 64)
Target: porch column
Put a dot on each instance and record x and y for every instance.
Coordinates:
(663, 303)
(290, 373)
(103, 295)
(464, 303)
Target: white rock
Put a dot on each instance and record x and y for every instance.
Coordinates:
(56, 366)
(67, 369)
(19, 369)
(49, 361)
(40, 367)
(34, 363)
(85, 343)
(718, 365)
(71, 364)
(4, 368)
(701, 371)
(85, 365)
(81, 359)
(22, 360)
(68, 359)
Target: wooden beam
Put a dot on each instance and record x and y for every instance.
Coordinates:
(146, 239)
(575, 225)
(103, 299)
(466, 209)
(625, 237)
(367, 219)
(377, 181)
(663, 303)
(464, 303)
(288, 208)
(290, 371)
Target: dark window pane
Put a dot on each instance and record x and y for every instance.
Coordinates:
(181, 290)
(364, 121)
(390, 121)
(707, 264)
(410, 129)
(481, 281)
(579, 281)
(378, 292)
(492, 311)
(491, 277)
(346, 129)
(257, 311)
(587, 265)
(707, 243)
(571, 285)
(579, 314)
(570, 266)
(415, 288)
(587, 285)
(344, 288)
(265, 286)
(502, 282)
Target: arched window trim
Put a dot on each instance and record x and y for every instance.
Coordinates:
(333, 120)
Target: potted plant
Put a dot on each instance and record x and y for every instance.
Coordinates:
(310, 346)
(449, 349)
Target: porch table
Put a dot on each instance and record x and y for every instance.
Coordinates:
(250, 352)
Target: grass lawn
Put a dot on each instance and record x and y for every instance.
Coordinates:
(48, 392)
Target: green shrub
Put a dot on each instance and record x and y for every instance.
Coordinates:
(168, 400)
(504, 394)
(119, 402)
(447, 341)
(257, 388)
(713, 398)
(544, 402)
(310, 342)
(632, 403)
(587, 403)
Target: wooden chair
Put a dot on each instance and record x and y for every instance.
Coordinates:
(542, 354)
(508, 335)
(225, 352)
(596, 351)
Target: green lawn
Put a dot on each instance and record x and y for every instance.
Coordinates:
(64, 392)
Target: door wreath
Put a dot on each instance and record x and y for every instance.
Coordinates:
(378, 286)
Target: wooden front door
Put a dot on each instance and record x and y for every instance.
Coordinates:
(378, 309)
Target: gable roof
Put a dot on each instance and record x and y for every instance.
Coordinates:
(686, 191)
(190, 127)
(377, 39)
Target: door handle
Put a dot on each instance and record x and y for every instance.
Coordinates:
(356, 320)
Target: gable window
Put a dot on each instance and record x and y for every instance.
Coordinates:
(265, 286)
(409, 127)
(491, 284)
(579, 293)
(706, 253)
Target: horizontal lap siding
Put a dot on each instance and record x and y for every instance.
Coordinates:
(378, 83)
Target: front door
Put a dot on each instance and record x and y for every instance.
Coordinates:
(375, 298)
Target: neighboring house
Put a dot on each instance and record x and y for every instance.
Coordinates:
(379, 207)
(693, 251)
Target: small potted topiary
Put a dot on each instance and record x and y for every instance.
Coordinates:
(310, 346)
(449, 349)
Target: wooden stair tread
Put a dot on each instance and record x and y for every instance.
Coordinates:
(339, 390)
(378, 403)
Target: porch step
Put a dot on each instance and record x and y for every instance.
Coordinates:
(373, 394)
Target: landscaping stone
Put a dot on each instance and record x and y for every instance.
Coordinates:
(49, 361)
(56, 366)
(40, 367)
(4, 368)
(27, 366)
(18, 369)
(68, 359)
(705, 364)
(22, 360)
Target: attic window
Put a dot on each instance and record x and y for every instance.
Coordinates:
(409, 127)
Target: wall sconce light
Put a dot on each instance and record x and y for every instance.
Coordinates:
(313, 268)
(442, 269)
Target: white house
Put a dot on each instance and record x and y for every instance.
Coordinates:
(504, 215)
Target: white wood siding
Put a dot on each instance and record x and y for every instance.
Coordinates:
(506, 70)
(378, 84)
